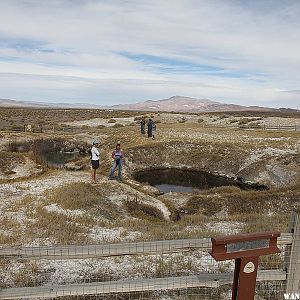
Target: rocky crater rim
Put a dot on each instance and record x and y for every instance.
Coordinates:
(278, 170)
(191, 177)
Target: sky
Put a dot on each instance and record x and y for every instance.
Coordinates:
(121, 51)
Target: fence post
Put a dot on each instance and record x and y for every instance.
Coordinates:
(292, 255)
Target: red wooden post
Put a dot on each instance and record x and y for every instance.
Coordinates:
(245, 249)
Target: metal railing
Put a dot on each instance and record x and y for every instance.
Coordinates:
(177, 269)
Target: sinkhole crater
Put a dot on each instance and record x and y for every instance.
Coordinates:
(187, 180)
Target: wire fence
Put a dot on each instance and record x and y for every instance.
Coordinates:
(169, 269)
(76, 129)
(294, 127)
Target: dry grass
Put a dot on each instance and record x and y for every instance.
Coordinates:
(142, 210)
(52, 225)
(259, 222)
(76, 196)
(27, 275)
(244, 121)
(260, 114)
(86, 197)
(49, 118)
(236, 201)
(273, 261)
(9, 239)
(10, 160)
(189, 226)
(26, 202)
(172, 209)
(62, 225)
(67, 227)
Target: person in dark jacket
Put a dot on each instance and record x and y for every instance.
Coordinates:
(153, 130)
(149, 125)
(143, 124)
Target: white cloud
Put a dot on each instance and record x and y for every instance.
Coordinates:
(83, 42)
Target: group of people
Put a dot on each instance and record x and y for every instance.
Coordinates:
(118, 161)
(118, 154)
(151, 132)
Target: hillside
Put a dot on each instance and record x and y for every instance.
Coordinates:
(172, 104)
(187, 104)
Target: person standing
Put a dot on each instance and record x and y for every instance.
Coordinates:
(143, 124)
(94, 160)
(119, 160)
(149, 125)
(153, 130)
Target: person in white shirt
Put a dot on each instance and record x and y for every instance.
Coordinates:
(94, 160)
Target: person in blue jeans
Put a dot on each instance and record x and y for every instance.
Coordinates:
(119, 160)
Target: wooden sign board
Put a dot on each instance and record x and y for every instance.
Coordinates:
(244, 245)
(245, 249)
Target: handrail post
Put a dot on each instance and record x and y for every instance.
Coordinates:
(292, 256)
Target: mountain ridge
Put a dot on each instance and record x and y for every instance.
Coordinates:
(186, 104)
(172, 104)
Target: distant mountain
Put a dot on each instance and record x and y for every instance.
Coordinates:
(175, 103)
(14, 103)
(33, 104)
(187, 104)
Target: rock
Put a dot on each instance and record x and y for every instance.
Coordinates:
(71, 166)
